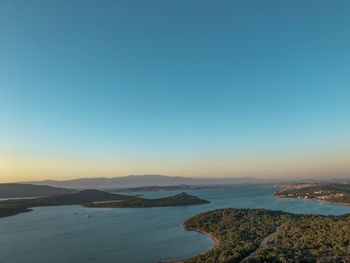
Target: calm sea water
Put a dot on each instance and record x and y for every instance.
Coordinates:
(64, 234)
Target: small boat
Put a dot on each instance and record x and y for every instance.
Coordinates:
(87, 216)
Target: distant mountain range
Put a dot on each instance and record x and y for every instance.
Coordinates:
(140, 183)
(144, 180)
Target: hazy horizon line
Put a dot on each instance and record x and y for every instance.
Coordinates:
(295, 178)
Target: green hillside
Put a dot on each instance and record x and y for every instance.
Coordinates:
(259, 235)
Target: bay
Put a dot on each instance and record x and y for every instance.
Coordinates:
(135, 235)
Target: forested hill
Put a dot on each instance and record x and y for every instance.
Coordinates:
(258, 235)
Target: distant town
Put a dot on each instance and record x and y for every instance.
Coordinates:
(332, 193)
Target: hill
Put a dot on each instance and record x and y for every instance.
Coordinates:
(13, 190)
(259, 235)
(182, 199)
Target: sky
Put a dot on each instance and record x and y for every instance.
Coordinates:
(183, 88)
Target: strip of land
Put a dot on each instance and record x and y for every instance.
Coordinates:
(181, 199)
(331, 193)
(96, 198)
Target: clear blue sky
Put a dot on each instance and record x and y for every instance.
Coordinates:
(173, 79)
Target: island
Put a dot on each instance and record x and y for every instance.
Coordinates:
(15, 206)
(182, 199)
(331, 193)
(259, 235)
(95, 198)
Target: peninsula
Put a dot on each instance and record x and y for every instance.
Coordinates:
(259, 235)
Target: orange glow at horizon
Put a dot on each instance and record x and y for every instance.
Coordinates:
(25, 168)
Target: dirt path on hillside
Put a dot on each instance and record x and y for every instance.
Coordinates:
(261, 245)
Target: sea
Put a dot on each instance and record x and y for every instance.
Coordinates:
(131, 235)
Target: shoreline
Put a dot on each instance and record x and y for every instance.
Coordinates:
(215, 239)
(321, 200)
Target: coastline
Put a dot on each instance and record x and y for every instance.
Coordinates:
(215, 239)
(321, 200)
